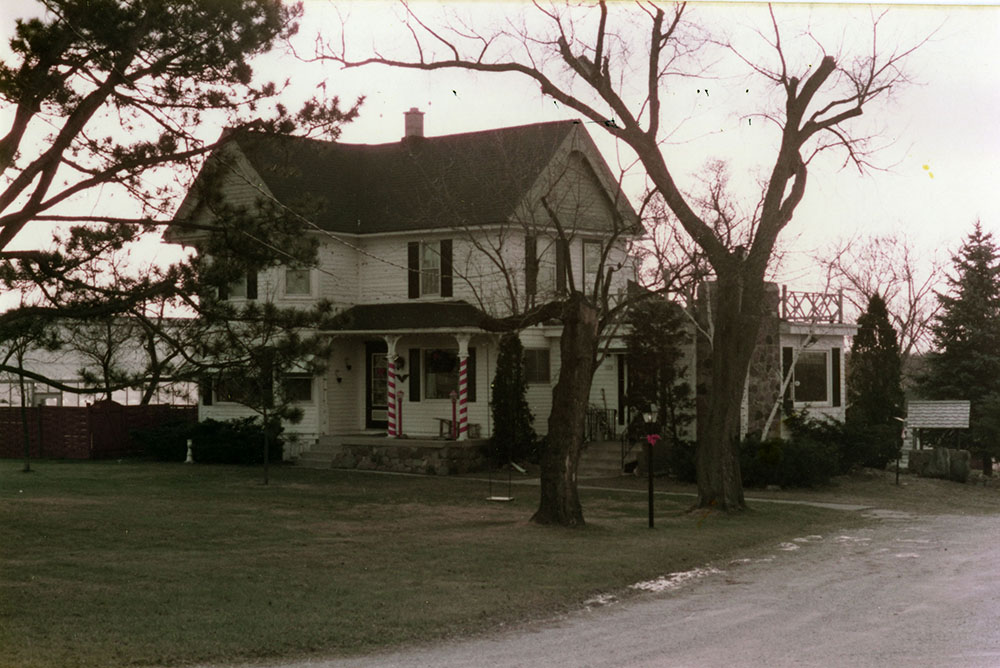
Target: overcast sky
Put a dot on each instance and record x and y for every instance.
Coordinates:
(941, 134)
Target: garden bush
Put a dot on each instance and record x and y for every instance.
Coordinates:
(799, 462)
(681, 461)
(237, 441)
(166, 442)
(858, 444)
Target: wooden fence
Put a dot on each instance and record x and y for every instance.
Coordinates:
(100, 431)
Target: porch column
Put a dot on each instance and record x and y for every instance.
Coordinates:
(391, 341)
(463, 386)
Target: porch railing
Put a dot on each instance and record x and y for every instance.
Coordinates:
(818, 307)
(600, 424)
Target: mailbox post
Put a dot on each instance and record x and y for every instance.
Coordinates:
(651, 440)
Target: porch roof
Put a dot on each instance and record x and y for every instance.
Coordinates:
(407, 316)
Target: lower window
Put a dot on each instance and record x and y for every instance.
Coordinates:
(440, 373)
(811, 377)
(297, 387)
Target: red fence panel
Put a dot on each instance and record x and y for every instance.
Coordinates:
(84, 432)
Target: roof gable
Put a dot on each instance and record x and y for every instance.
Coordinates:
(462, 180)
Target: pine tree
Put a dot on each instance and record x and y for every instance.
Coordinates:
(874, 391)
(513, 436)
(966, 362)
(874, 381)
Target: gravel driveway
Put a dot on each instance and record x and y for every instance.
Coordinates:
(907, 591)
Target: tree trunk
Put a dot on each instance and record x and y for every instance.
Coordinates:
(720, 485)
(560, 501)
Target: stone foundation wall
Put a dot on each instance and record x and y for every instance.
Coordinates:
(940, 463)
(407, 456)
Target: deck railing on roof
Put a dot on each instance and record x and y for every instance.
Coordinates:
(827, 307)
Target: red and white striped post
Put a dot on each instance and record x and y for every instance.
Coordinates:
(392, 427)
(463, 387)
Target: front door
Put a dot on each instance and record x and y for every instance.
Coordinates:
(376, 385)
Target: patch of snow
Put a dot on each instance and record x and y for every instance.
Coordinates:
(852, 539)
(808, 539)
(674, 580)
(788, 547)
(907, 555)
(600, 600)
(741, 561)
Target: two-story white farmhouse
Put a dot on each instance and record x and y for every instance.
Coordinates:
(418, 239)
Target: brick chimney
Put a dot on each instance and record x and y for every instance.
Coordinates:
(413, 123)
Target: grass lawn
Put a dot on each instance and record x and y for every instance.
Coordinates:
(113, 564)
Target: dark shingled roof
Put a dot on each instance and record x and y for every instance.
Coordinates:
(406, 315)
(938, 414)
(474, 178)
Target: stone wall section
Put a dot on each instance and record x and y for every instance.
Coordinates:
(428, 458)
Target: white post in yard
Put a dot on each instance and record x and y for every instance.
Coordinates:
(190, 455)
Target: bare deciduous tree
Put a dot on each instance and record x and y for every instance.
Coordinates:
(587, 59)
(892, 267)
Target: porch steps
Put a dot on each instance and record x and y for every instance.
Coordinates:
(600, 459)
(319, 456)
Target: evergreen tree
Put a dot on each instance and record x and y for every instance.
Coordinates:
(513, 436)
(874, 390)
(874, 380)
(966, 362)
(654, 361)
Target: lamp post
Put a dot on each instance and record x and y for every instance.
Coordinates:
(651, 440)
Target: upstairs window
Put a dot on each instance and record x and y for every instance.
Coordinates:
(591, 265)
(539, 266)
(429, 268)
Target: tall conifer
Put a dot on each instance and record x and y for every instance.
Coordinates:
(966, 360)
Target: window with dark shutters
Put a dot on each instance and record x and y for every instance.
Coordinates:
(414, 362)
(413, 268)
(446, 268)
(251, 285)
(530, 265)
(835, 375)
